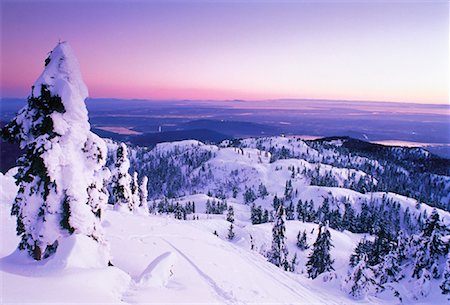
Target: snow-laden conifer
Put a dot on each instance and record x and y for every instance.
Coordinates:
(143, 195)
(319, 260)
(360, 280)
(278, 254)
(121, 180)
(61, 174)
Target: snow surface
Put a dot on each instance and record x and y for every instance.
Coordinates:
(161, 260)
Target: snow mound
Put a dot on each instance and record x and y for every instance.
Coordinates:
(159, 271)
(79, 251)
(8, 187)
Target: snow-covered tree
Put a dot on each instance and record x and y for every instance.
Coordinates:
(134, 187)
(360, 280)
(121, 180)
(389, 269)
(429, 246)
(143, 194)
(230, 214)
(230, 218)
(278, 254)
(302, 243)
(319, 261)
(445, 285)
(422, 285)
(61, 174)
(231, 234)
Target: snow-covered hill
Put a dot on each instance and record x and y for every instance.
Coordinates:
(159, 259)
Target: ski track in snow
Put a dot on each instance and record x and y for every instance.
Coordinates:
(225, 296)
(267, 269)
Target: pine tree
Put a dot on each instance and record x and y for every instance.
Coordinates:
(302, 243)
(230, 232)
(255, 214)
(349, 218)
(288, 190)
(389, 269)
(445, 285)
(290, 212)
(422, 285)
(61, 174)
(230, 218)
(143, 194)
(293, 263)
(380, 247)
(324, 211)
(121, 180)
(430, 245)
(230, 214)
(319, 261)
(262, 191)
(278, 255)
(134, 187)
(359, 282)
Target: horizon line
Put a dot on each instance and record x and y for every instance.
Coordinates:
(252, 100)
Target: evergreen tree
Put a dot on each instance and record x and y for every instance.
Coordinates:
(293, 263)
(262, 191)
(380, 247)
(143, 194)
(319, 261)
(288, 190)
(362, 250)
(249, 196)
(230, 218)
(301, 211)
(61, 175)
(349, 218)
(422, 284)
(230, 214)
(265, 217)
(302, 243)
(359, 282)
(121, 180)
(134, 187)
(230, 232)
(290, 212)
(430, 245)
(389, 269)
(445, 285)
(276, 203)
(278, 255)
(324, 211)
(255, 214)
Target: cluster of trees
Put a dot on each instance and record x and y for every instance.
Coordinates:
(179, 210)
(171, 172)
(319, 260)
(340, 215)
(423, 257)
(410, 172)
(216, 207)
(259, 215)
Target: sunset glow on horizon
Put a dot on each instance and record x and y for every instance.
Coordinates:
(252, 50)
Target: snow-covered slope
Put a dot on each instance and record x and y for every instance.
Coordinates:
(159, 259)
(196, 267)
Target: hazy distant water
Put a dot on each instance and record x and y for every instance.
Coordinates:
(372, 121)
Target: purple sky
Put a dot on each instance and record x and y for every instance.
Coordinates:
(241, 50)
